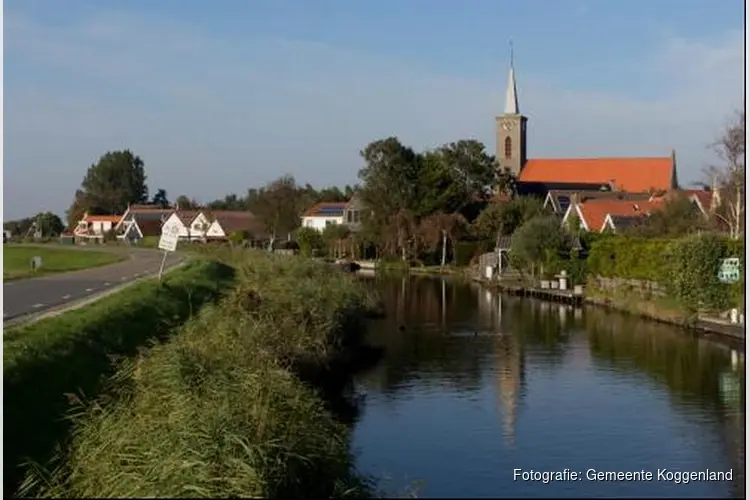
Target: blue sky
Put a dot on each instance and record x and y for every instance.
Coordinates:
(220, 96)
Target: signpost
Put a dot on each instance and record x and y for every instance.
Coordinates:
(170, 236)
(729, 270)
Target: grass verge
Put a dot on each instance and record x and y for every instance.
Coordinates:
(219, 410)
(68, 354)
(17, 260)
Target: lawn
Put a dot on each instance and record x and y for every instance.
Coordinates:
(17, 260)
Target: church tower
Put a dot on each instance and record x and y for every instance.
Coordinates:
(510, 149)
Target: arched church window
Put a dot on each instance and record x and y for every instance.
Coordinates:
(508, 147)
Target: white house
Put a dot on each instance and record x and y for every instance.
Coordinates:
(191, 224)
(146, 218)
(324, 214)
(95, 227)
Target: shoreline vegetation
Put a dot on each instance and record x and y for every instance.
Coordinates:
(231, 403)
(51, 360)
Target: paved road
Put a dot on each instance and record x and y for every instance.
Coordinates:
(31, 296)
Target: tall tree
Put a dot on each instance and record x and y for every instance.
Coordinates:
(115, 181)
(499, 219)
(400, 233)
(160, 198)
(277, 206)
(390, 178)
(728, 178)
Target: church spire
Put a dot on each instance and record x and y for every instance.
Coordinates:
(511, 98)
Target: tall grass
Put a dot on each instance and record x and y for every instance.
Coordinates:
(217, 410)
(70, 353)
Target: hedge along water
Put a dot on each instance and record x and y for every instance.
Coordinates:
(216, 411)
(69, 353)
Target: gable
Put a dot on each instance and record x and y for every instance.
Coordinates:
(627, 174)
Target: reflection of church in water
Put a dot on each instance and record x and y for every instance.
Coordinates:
(508, 360)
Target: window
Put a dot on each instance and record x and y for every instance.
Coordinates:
(355, 215)
(330, 222)
(508, 147)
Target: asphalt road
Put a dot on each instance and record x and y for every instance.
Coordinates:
(36, 295)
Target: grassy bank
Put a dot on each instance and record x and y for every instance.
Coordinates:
(68, 354)
(219, 410)
(17, 260)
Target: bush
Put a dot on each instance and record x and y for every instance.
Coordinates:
(69, 353)
(238, 237)
(310, 241)
(216, 412)
(540, 241)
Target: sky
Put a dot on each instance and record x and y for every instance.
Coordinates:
(217, 97)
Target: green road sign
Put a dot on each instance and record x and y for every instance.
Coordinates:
(729, 271)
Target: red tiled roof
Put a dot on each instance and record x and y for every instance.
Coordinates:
(628, 174)
(594, 211)
(315, 210)
(102, 218)
(237, 220)
(701, 195)
(186, 216)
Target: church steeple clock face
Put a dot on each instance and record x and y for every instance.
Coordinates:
(508, 126)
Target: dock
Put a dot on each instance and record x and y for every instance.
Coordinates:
(519, 290)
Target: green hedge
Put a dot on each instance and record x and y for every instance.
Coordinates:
(68, 354)
(638, 258)
(687, 266)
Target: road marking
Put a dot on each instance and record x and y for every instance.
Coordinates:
(106, 284)
(89, 289)
(37, 306)
(66, 297)
(136, 274)
(123, 278)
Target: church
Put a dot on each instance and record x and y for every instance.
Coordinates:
(539, 176)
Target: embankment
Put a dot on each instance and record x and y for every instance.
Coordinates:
(47, 362)
(219, 409)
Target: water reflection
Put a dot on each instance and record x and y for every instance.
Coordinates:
(475, 384)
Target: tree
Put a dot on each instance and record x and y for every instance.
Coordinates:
(160, 198)
(334, 236)
(109, 186)
(500, 219)
(184, 203)
(390, 178)
(440, 228)
(728, 178)
(540, 241)
(309, 240)
(277, 206)
(678, 216)
(400, 232)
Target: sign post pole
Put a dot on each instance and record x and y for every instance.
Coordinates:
(167, 242)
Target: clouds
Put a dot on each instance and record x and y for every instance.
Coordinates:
(213, 113)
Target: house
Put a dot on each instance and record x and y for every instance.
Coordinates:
(95, 227)
(144, 216)
(538, 176)
(353, 213)
(191, 224)
(324, 214)
(225, 222)
(592, 213)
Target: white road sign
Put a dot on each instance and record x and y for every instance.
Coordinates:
(170, 235)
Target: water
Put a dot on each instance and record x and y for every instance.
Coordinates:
(475, 385)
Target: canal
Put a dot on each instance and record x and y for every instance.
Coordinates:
(474, 385)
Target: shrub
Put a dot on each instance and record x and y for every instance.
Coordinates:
(69, 353)
(540, 241)
(310, 241)
(238, 237)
